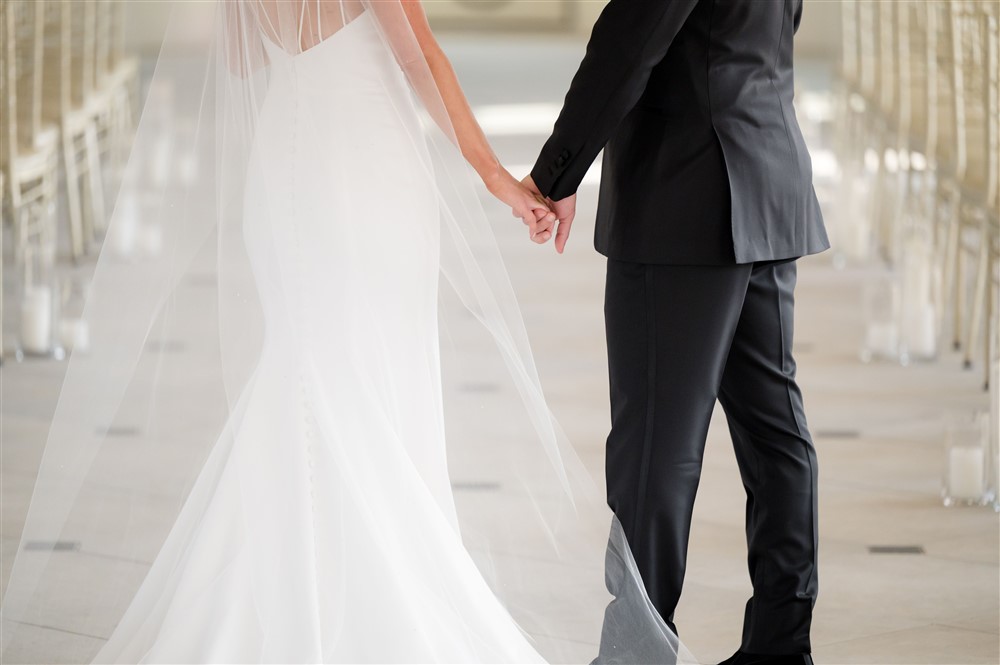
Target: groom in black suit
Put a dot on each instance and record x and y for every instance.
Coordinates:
(706, 201)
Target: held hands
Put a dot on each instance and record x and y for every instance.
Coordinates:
(529, 205)
(565, 211)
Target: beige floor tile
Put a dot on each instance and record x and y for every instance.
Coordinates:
(931, 644)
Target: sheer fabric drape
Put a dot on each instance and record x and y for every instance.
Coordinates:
(311, 428)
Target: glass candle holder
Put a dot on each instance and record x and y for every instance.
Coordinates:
(966, 462)
(37, 304)
(881, 308)
(918, 316)
(74, 332)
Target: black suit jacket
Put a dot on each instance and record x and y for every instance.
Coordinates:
(704, 162)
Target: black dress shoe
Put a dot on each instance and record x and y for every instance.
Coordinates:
(742, 658)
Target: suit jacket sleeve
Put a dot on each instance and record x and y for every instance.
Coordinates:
(629, 39)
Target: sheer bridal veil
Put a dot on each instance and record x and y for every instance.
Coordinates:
(177, 329)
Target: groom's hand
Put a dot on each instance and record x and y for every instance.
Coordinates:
(565, 210)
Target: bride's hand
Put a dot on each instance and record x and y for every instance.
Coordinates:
(532, 209)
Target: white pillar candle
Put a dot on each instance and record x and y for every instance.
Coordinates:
(74, 335)
(965, 473)
(36, 320)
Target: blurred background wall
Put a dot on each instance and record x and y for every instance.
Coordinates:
(819, 34)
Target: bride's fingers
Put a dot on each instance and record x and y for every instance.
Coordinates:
(535, 217)
(544, 215)
(528, 217)
(542, 237)
(543, 229)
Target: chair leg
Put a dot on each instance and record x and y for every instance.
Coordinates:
(959, 276)
(978, 301)
(72, 178)
(94, 180)
(952, 268)
(991, 324)
(990, 311)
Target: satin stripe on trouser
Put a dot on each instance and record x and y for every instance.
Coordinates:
(679, 338)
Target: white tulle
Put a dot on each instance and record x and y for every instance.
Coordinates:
(284, 489)
(323, 528)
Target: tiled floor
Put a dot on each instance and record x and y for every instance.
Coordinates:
(878, 429)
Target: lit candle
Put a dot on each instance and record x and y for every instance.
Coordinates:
(965, 473)
(36, 320)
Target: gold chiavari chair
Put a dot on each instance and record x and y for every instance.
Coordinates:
(911, 229)
(851, 104)
(928, 121)
(865, 134)
(980, 188)
(888, 190)
(851, 224)
(117, 78)
(124, 67)
(878, 90)
(68, 87)
(938, 118)
(104, 81)
(968, 239)
(3, 222)
(992, 296)
(28, 149)
(868, 67)
(946, 141)
(28, 154)
(916, 108)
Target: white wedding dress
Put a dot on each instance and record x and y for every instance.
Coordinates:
(323, 526)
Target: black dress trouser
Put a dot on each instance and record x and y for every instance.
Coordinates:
(680, 337)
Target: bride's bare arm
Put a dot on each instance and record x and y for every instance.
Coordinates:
(470, 135)
(444, 98)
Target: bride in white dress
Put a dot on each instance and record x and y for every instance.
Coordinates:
(341, 226)
(321, 524)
